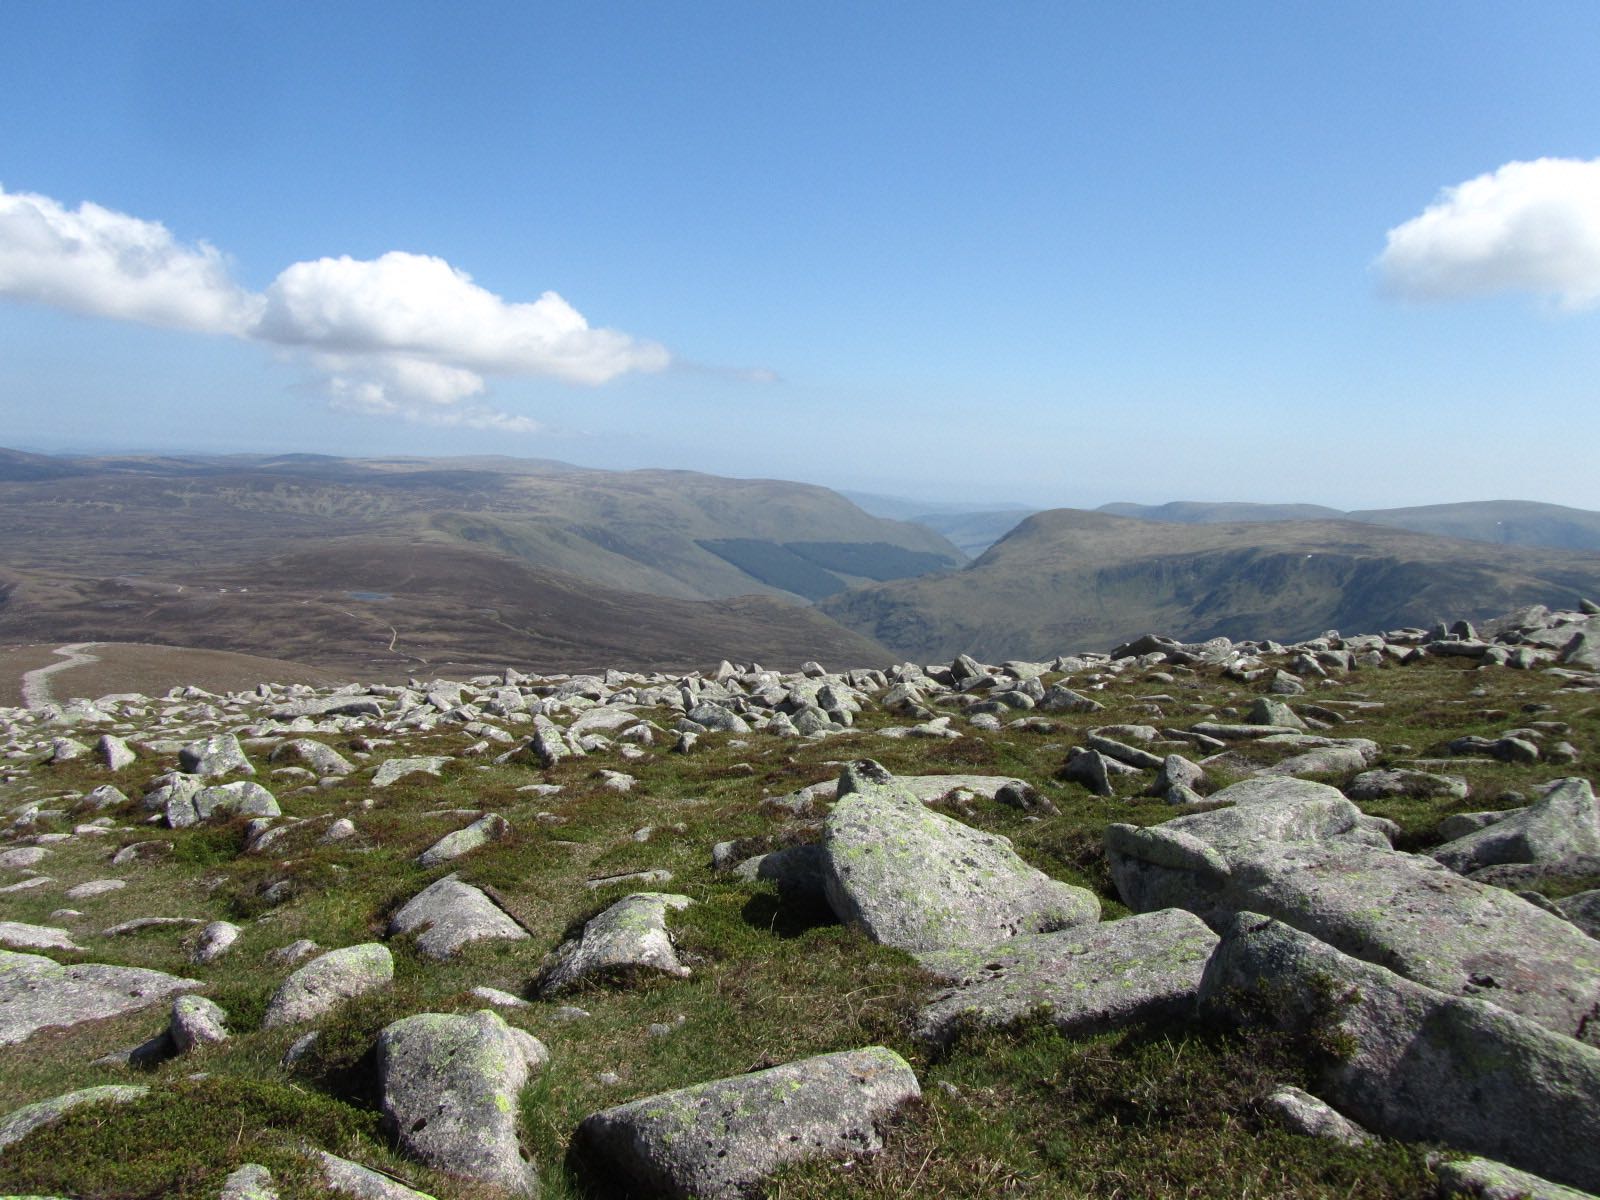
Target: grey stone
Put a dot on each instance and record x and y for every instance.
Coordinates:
(1484, 1179)
(1266, 711)
(1458, 825)
(718, 1140)
(450, 1085)
(240, 799)
(395, 769)
(626, 939)
(283, 956)
(22, 936)
(220, 754)
(1092, 769)
(114, 753)
(37, 993)
(450, 914)
(94, 887)
(1582, 651)
(1083, 981)
(20, 858)
(489, 828)
(547, 744)
(1379, 785)
(1563, 825)
(1307, 856)
(215, 940)
(318, 758)
(1300, 1112)
(1320, 761)
(1178, 772)
(196, 1021)
(19, 1123)
(1583, 910)
(1414, 1063)
(353, 1179)
(327, 981)
(250, 1182)
(918, 880)
(1130, 756)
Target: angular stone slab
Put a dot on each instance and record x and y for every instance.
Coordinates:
(1082, 981)
(1484, 1179)
(1314, 861)
(241, 799)
(18, 1124)
(451, 914)
(450, 1089)
(488, 828)
(37, 993)
(920, 881)
(1565, 824)
(23, 936)
(631, 936)
(396, 769)
(352, 1179)
(327, 981)
(1420, 1065)
(220, 754)
(717, 1140)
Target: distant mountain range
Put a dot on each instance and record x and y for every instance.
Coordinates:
(404, 565)
(1068, 579)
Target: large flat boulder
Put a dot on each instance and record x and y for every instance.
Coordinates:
(718, 1140)
(450, 1087)
(1309, 857)
(1410, 1062)
(19, 1123)
(38, 993)
(1562, 826)
(450, 914)
(1083, 980)
(921, 881)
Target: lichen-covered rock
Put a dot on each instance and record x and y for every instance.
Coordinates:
(23, 936)
(796, 871)
(18, 1124)
(1564, 825)
(327, 981)
(1484, 1179)
(38, 993)
(313, 755)
(1379, 785)
(352, 1179)
(240, 799)
(1083, 980)
(450, 1085)
(488, 828)
(216, 939)
(717, 1140)
(1301, 1112)
(1583, 910)
(1311, 858)
(196, 1021)
(1412, 1063)
(450, 914)
(220, 754)
(920, 881)
(396, 769)
(250, 1182)
(628, 938)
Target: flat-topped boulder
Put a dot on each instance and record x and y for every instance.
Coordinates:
(327, 981)
(451, 914)
(1563, 826)
(1311, 858)
(1083, 981)
(38, 993)
(921, 881)
(718, 1140)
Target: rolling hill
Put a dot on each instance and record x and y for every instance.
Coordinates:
(1068, 580)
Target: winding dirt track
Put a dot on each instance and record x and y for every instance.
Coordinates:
(36, 683)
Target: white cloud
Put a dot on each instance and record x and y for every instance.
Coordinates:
(403, 335)
(1528, 226)
(107, 264)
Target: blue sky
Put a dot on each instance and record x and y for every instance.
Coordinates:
(1052, 253)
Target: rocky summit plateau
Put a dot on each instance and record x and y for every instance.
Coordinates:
(1218, 918)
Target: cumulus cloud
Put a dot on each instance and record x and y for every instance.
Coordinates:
(107, 264)
(403, 335)
(1528, 226)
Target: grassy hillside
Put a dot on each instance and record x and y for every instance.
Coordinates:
(638, 531)
(382, 608)
(1067, 579)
